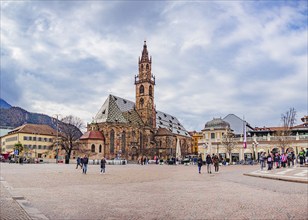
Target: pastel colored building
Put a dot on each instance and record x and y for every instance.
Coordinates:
(37, 141)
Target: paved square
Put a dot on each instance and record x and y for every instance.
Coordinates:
(60, 191)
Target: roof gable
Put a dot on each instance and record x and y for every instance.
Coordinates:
(164, 120)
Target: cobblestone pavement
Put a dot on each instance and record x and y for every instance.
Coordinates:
(9, 208)
(60, 191)
(294, 174)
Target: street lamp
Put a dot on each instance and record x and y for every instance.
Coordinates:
(57, 145)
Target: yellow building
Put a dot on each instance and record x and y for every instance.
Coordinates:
(196, 136)
(37, 140)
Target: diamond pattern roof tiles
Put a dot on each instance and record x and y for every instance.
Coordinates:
(116, 109)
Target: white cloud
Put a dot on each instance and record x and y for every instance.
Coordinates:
(209, 58)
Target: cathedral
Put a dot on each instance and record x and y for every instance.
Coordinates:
(127, 129)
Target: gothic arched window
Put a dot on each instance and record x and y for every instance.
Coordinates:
(100, 148)
(147, 66)
(150, 90)
(93, 148)
(141, 102)
(134, 136)
(123, 142)
(112, 141)
(141, 89)
(141, 141)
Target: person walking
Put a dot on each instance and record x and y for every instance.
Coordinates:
(276, 159)
(262, 160)
(78, 163)
(103, 165)
(269, 162)
(85, 164)
(215, 160)
(208, 161)
(301, 155)
(200, 163)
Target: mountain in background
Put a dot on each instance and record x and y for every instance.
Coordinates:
(4, 104)
(13, 117)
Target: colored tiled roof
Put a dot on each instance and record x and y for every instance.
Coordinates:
(116, 109)
(164, 120)
(34, 129)
(93, 135)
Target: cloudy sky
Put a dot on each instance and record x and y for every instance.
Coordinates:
(210, 58)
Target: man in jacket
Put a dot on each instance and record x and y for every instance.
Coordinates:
(85, 164)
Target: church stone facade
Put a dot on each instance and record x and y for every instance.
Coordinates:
(133, 129)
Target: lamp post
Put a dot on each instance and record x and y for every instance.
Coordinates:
(57, 133)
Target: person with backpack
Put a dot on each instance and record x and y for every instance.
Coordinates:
(215, 160)
(208, 161)
(301, 155)
(78, 163)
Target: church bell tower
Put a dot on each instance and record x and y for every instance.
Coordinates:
(145, 83)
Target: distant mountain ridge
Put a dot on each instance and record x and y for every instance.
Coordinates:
(15, 116)
(4, 104)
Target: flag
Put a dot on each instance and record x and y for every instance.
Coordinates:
(245, 141)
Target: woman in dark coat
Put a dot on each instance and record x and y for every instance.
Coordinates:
(208, 161)
(199, 161)
(103, 165)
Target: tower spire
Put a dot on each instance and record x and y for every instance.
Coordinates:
(145, 54)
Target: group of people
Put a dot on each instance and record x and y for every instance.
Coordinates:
(208, 161)
(280, 160)
(143, 160)
(83, 163)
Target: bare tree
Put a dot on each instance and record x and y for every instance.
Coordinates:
(228, 140)
(69, 132)
(288, 119)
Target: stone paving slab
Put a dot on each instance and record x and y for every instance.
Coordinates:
(292, 174)
(14, 206)
(60, 191)
(9, 208)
